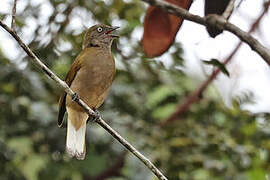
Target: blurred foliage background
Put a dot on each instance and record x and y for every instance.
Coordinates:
(210, 141)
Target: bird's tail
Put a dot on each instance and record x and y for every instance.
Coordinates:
(76, 127)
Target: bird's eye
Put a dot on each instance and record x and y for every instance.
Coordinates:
(99, 29)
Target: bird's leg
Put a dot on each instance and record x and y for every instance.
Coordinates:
(75, 97)
(94, 118)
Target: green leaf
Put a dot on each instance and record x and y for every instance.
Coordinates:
(163, 112)
(256, 174)
(180, 141)
(249, 129)
(219, 65)
(19, 22)
(22, 145)
(32, 166)
(158, 95)
(201, 174)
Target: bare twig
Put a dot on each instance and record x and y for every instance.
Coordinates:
(239, 4)
(227, 13)
(65, 87)
(13, 15)
(216, 21)
(195, 96)
(132, 149)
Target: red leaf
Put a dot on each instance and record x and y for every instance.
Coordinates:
(160, 28)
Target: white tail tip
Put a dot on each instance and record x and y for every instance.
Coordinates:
(75, 145)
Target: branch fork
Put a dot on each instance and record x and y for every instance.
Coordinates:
(215, 20)
(225, 25)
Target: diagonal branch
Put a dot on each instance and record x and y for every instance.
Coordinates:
(100, 121)
(216, 21)
(197, 94)
(228, 12)
(13, 14)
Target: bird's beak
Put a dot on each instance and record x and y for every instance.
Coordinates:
(111, 29)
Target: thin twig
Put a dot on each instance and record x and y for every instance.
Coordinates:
(216, 21)
(65, 87)
(239, 4)
(132, 149)
(13, 15)
(228, 12)
(195, 95)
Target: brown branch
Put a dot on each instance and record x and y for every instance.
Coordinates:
(228, 12)
(195, 96)
(215, 21)
(13, 15)
(65, 87)
(132, 149)
(239, 4)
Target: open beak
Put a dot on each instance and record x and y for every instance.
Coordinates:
(110, 30)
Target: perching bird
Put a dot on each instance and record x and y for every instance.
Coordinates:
(215, 7)
(90, 76)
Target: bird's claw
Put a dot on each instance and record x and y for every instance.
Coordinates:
(94, 118)
(75, 97)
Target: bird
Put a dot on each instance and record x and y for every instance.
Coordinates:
(215, 7)
(90, 77)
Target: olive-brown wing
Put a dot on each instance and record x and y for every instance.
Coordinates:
(69, 78)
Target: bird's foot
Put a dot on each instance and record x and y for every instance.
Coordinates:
(94, 118)
(75, 97)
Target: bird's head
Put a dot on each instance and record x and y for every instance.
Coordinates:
(99, 35)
